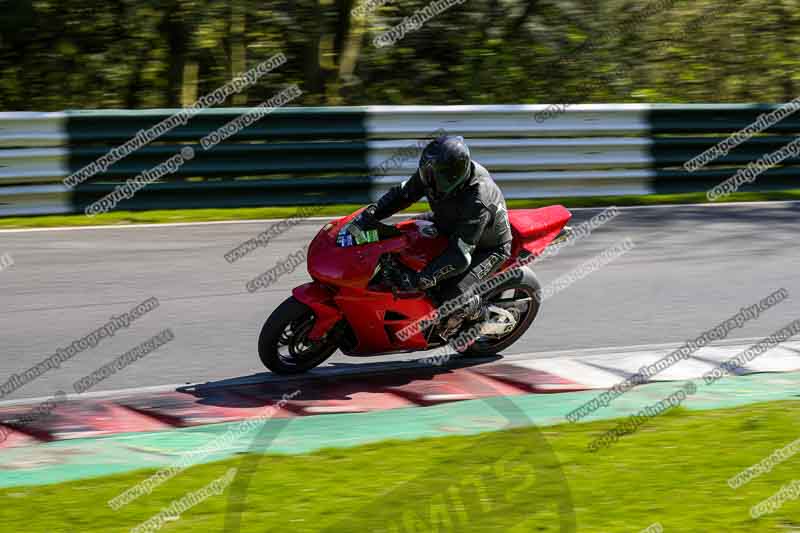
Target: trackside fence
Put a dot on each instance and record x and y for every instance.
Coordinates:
(301, 156)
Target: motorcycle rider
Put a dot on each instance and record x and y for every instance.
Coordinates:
(467, 207)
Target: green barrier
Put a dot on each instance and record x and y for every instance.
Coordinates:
(314, 123)
(292, 156)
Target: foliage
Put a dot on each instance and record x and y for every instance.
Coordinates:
(165, 53)
(496, 482)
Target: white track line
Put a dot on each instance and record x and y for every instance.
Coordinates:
(404, 215)
(161, 225)
(575, 371)
(631, 349)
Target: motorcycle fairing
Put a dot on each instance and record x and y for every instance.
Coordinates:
(320, 300)
(342, 276)
(354, 266)
(376, 317)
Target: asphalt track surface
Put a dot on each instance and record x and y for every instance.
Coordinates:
(691, 268)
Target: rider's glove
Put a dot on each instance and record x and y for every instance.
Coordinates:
(366, 219)
(364, 222)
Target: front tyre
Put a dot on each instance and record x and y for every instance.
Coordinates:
(284, 346)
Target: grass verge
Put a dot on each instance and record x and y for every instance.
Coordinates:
(673, 471)
(258, 213)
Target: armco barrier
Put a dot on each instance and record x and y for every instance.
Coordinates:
(331, 155)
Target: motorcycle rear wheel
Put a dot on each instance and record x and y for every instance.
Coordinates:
(525, 289)
(284, 346)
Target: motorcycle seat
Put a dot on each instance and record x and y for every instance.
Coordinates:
(532, 223)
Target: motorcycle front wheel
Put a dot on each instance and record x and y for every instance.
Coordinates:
(284, 346)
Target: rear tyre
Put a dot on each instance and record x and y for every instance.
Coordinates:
(521, 296)
(284, 346)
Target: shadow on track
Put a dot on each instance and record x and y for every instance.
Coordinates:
(336, 382)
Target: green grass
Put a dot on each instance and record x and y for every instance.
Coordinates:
(253, 213)
(672, 471)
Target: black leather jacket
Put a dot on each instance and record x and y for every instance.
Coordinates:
(473, 218)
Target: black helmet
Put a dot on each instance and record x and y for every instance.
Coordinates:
(444, 165)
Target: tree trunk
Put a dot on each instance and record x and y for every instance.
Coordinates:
(348, 48)
(238, 47)
(175, 29)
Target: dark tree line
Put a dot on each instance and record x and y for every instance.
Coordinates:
(165, 53)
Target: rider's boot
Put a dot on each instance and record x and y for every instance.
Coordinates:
(473, 309)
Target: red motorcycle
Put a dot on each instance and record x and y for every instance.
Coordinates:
(354, 303)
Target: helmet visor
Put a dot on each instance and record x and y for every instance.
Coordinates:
(427, 172)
